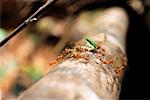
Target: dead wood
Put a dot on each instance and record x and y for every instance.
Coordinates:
(88, 72)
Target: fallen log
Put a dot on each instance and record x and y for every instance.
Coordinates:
(91, 70)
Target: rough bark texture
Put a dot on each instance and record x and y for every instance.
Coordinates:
(83, 73)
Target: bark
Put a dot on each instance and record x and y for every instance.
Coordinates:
(84, 73)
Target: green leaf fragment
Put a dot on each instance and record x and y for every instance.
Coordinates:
(91, 42)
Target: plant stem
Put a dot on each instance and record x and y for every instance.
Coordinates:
(40, 11)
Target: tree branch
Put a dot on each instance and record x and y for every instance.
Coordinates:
(83, 73)
(31, 19)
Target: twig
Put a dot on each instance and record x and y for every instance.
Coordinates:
(31, 19)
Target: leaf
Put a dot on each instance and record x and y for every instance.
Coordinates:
(91, 42)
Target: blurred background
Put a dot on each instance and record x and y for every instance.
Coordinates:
(26, 57)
